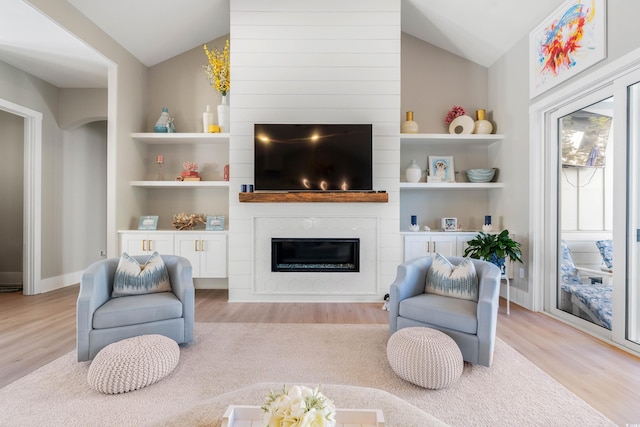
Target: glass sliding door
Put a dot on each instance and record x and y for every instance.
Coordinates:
(585, 202)
(633, 216)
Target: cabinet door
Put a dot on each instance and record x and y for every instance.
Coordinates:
(161, 243)
(188, 246)
(443, 244)
(207, 253)
(134, 244)
(416, 247)
(213, 255)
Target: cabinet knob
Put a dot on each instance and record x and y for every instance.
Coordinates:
(195, 244)
(202, 245)
(144, 245)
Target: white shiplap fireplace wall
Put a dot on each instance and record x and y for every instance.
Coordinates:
(314, 61)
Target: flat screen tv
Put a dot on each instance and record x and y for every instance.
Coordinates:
(313, 157)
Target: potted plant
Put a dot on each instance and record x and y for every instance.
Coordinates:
(494, 248)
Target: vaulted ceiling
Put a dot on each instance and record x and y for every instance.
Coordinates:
(156, 30)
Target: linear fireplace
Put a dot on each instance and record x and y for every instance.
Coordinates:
(315, 255)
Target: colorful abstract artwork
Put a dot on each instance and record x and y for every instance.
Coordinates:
(570, 40)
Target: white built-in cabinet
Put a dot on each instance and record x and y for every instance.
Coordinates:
(207, 253)
(205, 250)
(447, 243)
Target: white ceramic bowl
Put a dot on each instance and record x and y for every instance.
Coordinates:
(480, 175)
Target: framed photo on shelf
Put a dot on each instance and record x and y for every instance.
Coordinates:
(450, 224)
(215, 223)
(148, 222)
(441, 169)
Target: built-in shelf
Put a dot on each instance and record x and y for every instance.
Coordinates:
(442, 138)
(302, 197)
(174, 231)
(180, 184)
(450, 185)
(175, 138)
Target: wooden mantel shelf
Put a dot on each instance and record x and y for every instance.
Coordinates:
(304, 197)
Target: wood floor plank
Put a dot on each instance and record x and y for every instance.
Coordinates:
(38, 329)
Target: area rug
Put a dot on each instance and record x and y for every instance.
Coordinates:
(226, 357)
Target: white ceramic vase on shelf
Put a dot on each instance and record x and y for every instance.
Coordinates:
(413, 173)
(409, 126)
(223, 115)
(461, 125)
(207, 119)
(482, 126)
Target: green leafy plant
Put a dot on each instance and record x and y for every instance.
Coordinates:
(494, 247)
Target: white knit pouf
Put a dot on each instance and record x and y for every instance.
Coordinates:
(133, 363)
(425, 357)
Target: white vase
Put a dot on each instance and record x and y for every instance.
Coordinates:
(223, 115)
(413, 173)
(461, 125)
(409, 126)
(207, 119)
(482, 126)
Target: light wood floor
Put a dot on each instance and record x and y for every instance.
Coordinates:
(38, 329)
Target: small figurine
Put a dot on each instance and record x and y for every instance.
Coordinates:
(170, 127)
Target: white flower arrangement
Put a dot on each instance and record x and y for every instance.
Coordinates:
(298, 406)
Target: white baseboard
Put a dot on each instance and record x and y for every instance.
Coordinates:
(52, 283)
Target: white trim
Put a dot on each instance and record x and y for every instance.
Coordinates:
(626, 163)
(62, 281)
(32, 210)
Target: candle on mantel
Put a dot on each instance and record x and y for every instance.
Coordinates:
(160, 159)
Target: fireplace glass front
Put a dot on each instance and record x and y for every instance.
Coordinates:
(315, 255)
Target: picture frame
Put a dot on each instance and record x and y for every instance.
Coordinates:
(570, 40)
(450, 224)
(148, 222)
(215, 223)
(441, 169)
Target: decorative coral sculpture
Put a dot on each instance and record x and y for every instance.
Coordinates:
(183, 221)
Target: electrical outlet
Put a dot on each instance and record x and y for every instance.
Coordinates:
(522, 273)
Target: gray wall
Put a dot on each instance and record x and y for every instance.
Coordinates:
(23, 89)
(11, 208)
(81, 106)
(84, 200)
(127, 103)
(180, 84)
(59, 192)
(433, 80)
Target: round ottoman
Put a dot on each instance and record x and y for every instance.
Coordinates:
(425, 357)
(133, 363)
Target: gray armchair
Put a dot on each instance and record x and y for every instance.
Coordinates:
(471, 325)
(102, 320)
